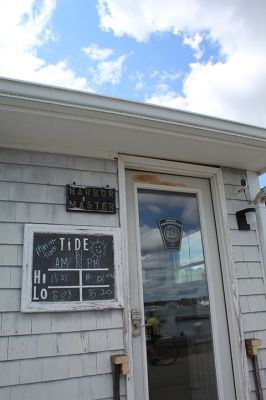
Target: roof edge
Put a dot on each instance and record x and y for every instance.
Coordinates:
(22, 90)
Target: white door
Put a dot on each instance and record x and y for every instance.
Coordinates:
(182, 349)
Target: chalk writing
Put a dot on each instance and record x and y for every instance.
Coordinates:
(46, 249)
(69, 267)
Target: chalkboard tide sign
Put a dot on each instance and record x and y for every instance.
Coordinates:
(70, 269)
(90, 199)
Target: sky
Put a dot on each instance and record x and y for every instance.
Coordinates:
(203, 56)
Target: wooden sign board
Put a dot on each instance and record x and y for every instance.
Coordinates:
(90, 199)
(70, 269)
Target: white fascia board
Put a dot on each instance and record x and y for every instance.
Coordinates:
(17, 96)
(90, 101)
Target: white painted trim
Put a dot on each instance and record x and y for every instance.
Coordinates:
(236, 334)
(140, 293)
(229, 277)
(168, 167)
(75, 101)
(29, 306)
(125, 276)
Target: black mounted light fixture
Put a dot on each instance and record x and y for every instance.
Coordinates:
(242, 216)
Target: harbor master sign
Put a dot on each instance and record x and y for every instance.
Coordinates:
(90, 199)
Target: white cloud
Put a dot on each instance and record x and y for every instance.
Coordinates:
(24, 27)
(106, 70)
(109, 71)
(194, 42)
(97, 53)
(233, 88)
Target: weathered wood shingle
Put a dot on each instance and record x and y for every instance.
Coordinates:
(50, 356)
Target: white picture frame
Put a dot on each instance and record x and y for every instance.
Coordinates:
(28, 305)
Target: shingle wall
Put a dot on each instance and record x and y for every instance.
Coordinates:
(62, 355)
(249, 273)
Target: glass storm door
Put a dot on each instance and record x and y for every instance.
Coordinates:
(182, 349)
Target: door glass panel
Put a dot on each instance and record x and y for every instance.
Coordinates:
(176, 300)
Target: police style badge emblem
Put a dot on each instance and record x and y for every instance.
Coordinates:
(171, 232)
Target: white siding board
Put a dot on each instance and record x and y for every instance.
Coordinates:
(251, 286)
(10, 255)
(10, 172)
(75, 366)
(3, 348)
(246, 253)
(31, 371)
(20, 393)
(45, 159)
(11, 156)
(4, 190)
(94, 219)
(244, 305)
(40, 391)
(14, 156)
(9, 300)
(257, 303)
(66, 390)
(5, 393)
(46, 345)
(59, 322)
(102, 387)
(7, 211)
(41, 323)
(244, 238)
(9, 373)
(103, 361)
(11, 233)
(13, 323)
(72, 343)
(88, 364)
(15, 277)
(27, 192)
(73, 320)
(88, 320)
(103, 320)
(40, 213)
(254, 321)
(28, 175)
(5, 280)
(98, 341)
(249, 270)
(92, 164)
(54, 368)
(20, 347)
(115, 339)
(235, 205)
(10, 277)
(85, 388)
(22, 212)
(262, 359)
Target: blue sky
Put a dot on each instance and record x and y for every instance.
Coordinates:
(198, 55)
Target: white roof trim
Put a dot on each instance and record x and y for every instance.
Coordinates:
(39, 101)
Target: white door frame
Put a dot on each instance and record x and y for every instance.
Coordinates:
(227, 266)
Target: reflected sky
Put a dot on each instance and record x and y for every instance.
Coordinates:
(171, 275)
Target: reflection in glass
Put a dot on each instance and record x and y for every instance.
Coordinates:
(176, 301)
